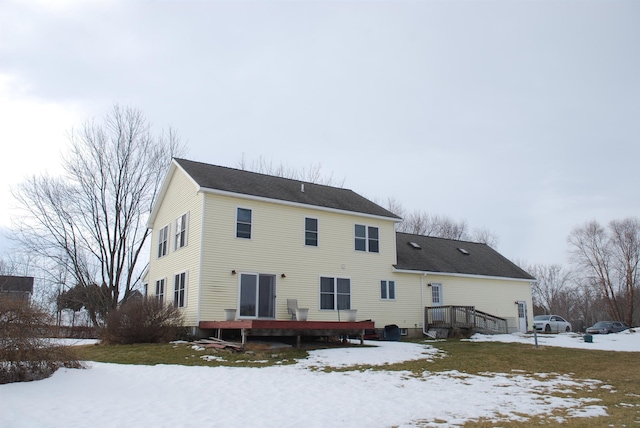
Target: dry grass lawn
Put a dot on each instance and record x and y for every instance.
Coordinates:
(620, 370)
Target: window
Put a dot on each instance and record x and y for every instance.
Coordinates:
(387, 290)
(179, 290)
(335, 293)
(366, 238)
(181, 232)
(243, 223)
(374, 246)
(163, 241)
(311, 231)
(521, 310)
(436, 294)
(160, 290)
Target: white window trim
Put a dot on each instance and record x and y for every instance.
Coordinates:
(235, 229)
(177, 232)
(440, 293)
(366, 238)
(335, 293)
(164, 289)
(186, 283)
(304, 236)
(257, 275)
(387, 281)
(167, 240)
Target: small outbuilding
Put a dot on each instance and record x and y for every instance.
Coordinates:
(16, 287)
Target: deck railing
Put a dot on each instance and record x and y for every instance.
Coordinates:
(452, 317)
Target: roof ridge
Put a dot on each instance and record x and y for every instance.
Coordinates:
(234, 180)
(440, 237)
(263, 174)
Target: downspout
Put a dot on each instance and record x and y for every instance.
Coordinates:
(204, 203)
(424, 324)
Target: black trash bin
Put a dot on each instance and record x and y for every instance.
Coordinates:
(392, 332)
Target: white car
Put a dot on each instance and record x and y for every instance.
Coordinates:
(551, 324)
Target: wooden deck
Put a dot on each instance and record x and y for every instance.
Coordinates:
(449, 318)
(265, 327)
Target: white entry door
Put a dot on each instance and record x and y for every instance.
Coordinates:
(522, 316)
(436, 300)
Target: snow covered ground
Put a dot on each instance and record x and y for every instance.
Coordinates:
(628, 340)
(112, 395)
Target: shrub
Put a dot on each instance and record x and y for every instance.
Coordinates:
(144, 320)
(26, 353)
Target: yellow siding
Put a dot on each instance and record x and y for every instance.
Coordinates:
(277, 247)
(180, 198)
(495, 296)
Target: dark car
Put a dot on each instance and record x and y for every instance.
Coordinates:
(606, 327)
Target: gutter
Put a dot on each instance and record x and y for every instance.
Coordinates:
(294, 204)
(462, 275)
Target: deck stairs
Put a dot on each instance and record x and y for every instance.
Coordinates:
(448, 321)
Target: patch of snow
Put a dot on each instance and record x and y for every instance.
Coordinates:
(212, 358)
(385, 353)
(73, 342)
(274, 396)
(627, 340)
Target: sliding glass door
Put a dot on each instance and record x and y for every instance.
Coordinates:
(257, 295)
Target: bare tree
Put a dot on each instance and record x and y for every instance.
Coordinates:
(422, 223)
(590, 306)
(553, 289)
(8, 265)
(485, 236)
(625, 239)
(393, 205)
(311, 174)
(92, 220)
(609, 259)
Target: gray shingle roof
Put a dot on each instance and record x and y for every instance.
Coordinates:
(444, 255)
(278, 188)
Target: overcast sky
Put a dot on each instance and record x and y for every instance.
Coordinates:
(521, 117)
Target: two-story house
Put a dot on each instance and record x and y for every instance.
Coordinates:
(224, 238)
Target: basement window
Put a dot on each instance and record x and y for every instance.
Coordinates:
(404, 332)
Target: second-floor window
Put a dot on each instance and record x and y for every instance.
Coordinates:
(243, 223)
(366, 238)
(163, 241)
(181, 231)
(311, 231)
(160, 290)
